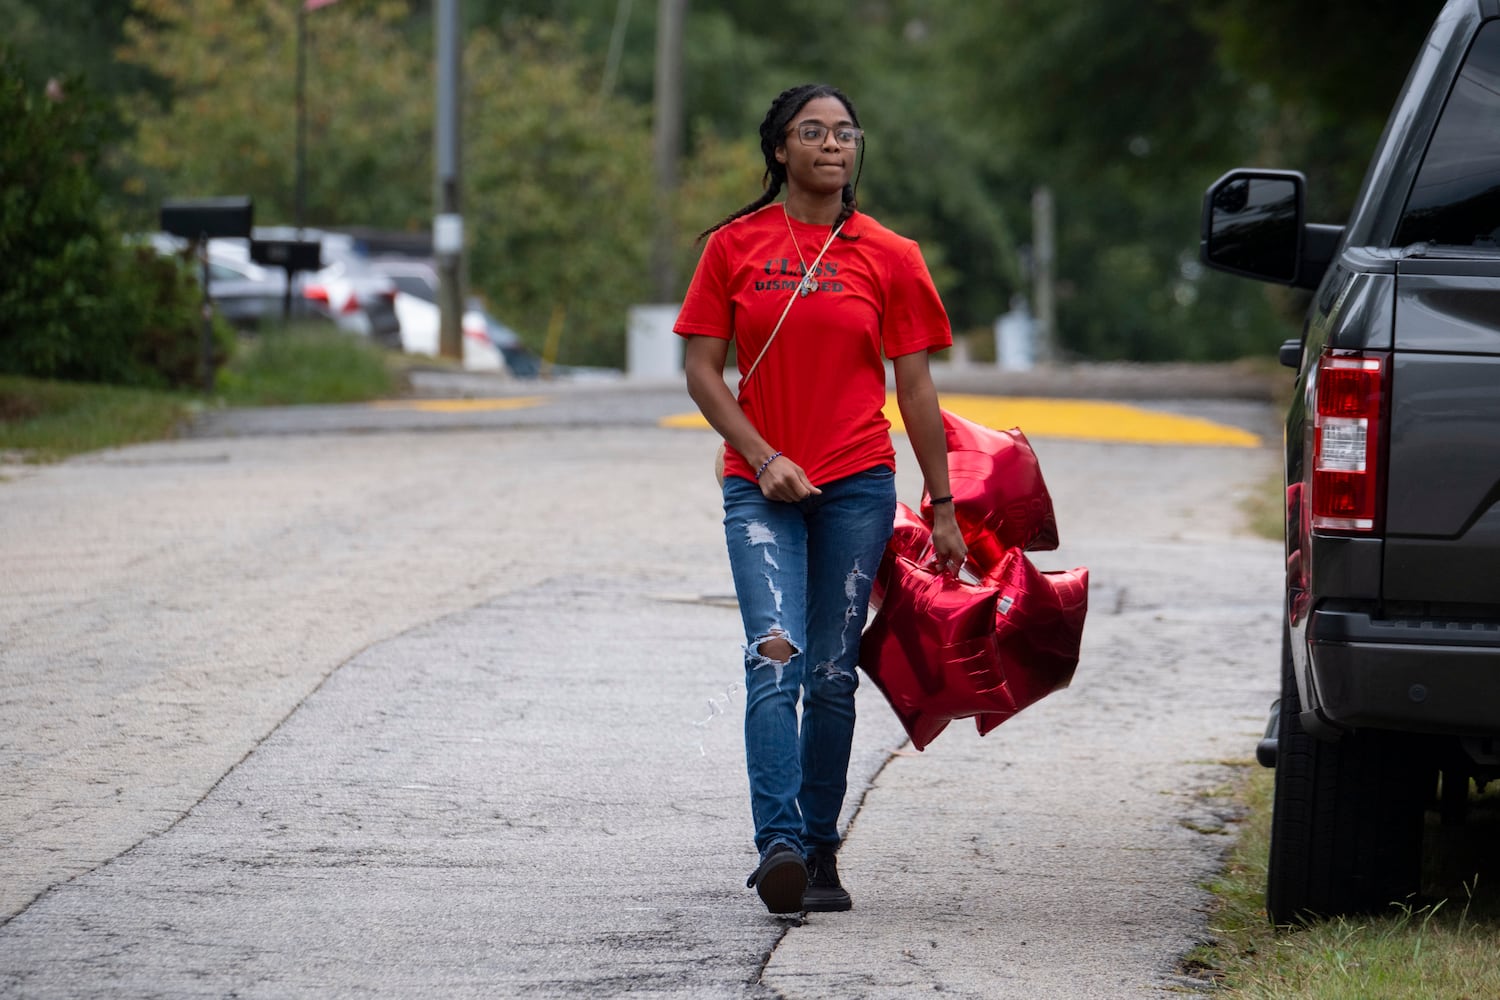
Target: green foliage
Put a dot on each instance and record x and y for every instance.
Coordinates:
(160, 308)
(44, 420)
(560, 192)
(1328, 74)
(1126, 111)
(49, 225)
(305, 364)
(74, 301)
(1443, 946)
(72, 39)
(229, 126)
(557, 178)
(1120, 110)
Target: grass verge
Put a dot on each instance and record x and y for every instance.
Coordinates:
(45, 421)
(1265, 508)
(306, 365)
(1446, 945)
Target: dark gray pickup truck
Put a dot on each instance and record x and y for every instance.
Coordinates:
(1390, 686)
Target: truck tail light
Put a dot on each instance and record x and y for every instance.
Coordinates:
(1350, 392)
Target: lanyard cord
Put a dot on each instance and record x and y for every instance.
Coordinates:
(794, 296)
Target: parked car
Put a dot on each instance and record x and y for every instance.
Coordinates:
(246, 294)
(1390, 672)
(417, 277)
(346, 290)
(416, 281)
(520, 360)
(489, 344)
(421, 330)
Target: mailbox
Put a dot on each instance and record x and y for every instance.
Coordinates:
(199, 220)
(290, 255)
(207, 218)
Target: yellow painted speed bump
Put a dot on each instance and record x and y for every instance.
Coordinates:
(1079, 419)
(461, 405)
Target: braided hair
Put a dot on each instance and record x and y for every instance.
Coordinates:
(773, 134)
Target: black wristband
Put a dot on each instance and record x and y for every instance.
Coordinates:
(937, 500)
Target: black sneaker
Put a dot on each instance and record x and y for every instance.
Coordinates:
(824, 893)
(780, 879)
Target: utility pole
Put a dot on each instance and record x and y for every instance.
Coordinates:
(667, 142)
(1044, 249)
(448, 223)
(301, 165)
(616, 47)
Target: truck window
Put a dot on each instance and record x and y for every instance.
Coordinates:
(1456, 198)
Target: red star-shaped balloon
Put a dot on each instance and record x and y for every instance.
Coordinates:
(999, 496)
(942, 648)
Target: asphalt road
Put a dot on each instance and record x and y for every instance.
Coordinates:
(450, 708)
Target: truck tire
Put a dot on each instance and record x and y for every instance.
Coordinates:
(1347, 817)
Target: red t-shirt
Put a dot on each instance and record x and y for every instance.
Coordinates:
(818, 393)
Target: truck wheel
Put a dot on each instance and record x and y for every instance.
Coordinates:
(1347, 818)
(1453, 803)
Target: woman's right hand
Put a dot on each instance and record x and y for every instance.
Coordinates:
(784, 480)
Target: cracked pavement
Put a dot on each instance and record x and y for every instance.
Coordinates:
(456, 714)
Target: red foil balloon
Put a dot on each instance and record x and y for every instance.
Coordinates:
(998, 492)
(941, 648)
(912, 538)
(1038, 630)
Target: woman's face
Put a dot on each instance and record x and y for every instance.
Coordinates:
(823, 168)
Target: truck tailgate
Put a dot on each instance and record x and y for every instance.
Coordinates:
(1443, 502)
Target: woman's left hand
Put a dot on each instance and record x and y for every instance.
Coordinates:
(917, 397)
(949, 550)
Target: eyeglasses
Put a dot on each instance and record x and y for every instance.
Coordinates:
(813, 134)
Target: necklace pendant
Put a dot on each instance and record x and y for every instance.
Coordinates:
(807, 287)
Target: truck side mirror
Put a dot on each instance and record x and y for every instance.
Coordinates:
(1252, 224)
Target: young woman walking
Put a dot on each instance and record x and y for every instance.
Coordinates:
(815, 296)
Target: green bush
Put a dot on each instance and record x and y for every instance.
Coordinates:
(305, 363)
(162, 309)
(76, 303)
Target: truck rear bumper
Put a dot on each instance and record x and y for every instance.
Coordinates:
(1410, 675)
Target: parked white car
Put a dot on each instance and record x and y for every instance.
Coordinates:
(489, 344)
(346, 291)
(421, 331)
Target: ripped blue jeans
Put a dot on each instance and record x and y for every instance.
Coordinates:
(802, 573)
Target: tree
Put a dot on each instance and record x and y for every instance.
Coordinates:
(1123, 111)
(229, 124)
(557, 177)
(1328, 73)
(559, 190)
(1127, 111)
(74, 301)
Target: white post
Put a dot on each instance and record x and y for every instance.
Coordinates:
(1015, 338)
(652, 350)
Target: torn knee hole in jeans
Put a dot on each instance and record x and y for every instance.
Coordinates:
(769, 656)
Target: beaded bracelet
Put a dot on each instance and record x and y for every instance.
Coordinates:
(937, 500)
(766, 465)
